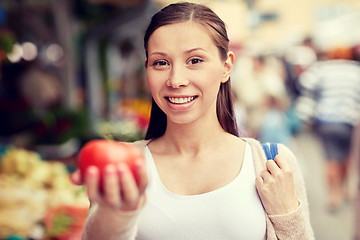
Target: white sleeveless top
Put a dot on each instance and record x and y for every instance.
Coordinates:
(231, 212)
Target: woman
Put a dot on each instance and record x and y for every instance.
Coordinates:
(200, 179)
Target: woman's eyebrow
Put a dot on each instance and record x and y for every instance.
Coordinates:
(186, 52)
(158, 53)
(195, 49)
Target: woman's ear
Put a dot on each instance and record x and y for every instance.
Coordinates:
(228, 65)
(145, 62)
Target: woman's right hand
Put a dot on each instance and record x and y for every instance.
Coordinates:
(120, 189)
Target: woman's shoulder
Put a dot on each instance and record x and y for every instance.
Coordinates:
(259, 154)
(282, 149)
(259, 159)
(140, 144)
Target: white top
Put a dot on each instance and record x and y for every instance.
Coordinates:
(230, 212)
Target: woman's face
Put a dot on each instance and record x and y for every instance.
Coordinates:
(184, 71)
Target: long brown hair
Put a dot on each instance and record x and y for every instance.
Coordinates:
(182, 12)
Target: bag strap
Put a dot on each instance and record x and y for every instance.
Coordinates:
(270, 152)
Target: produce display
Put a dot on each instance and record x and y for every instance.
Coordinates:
(37, 198)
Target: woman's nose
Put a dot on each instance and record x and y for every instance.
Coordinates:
(177, 78)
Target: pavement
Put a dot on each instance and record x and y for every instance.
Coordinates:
(327, 226)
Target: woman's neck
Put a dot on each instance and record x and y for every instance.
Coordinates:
(193, 138)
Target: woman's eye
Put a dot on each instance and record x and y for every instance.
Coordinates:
(160, 63)
(195, 61)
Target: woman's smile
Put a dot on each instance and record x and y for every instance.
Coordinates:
(180, 100)
(180, 103)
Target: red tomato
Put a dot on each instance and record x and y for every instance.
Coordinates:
(101, 152)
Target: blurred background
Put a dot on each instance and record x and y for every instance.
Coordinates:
(73, 70)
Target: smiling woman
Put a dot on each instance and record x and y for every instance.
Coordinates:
(199, 180)
(190, 58)
(186, 65)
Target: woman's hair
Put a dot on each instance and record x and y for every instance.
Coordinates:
(183, 12)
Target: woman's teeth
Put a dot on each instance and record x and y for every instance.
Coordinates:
(180, 100)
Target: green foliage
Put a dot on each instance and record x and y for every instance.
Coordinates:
(61, 223)
(60, 125)
(7, 41)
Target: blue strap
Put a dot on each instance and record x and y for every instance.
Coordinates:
(273, 150)
(266, 150)
(270, 152)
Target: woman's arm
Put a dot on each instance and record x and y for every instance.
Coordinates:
(293, 224)
(288, 224)
(114, 209)
(275, 186)
(109, 223)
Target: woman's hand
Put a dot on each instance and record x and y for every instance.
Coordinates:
(120, 189)
(276, 188)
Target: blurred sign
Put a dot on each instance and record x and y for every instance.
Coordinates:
(339, 31)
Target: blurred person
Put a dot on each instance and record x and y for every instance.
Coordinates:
(296, 59)
(334, 85)
(356, 158)
(254, 80)
(198, 179)
(275, 126)
(356, 52)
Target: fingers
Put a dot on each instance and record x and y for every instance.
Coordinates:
(272, 167)
(276, 169)
(282, 163)
(265, 176)
(275, 187)
(117, 187)
(129, 190)
(111, 186)
(92, 177)
(276, 165)
(75, 178)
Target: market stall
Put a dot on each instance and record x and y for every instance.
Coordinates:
(37, 198)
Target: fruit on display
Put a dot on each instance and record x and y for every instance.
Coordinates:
(65, 222)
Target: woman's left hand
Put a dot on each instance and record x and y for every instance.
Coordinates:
(276, 188)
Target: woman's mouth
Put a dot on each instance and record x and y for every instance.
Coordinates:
(180, 100)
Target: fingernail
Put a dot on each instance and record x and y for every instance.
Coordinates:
(75, 178)
(110, 169)
(121, 168)
(92, 170)
(138, 163)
